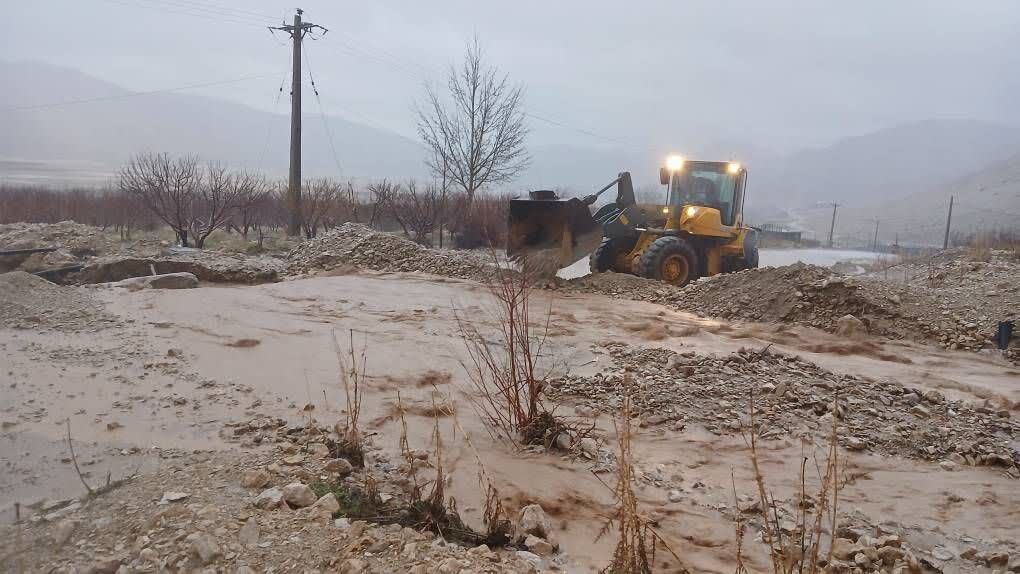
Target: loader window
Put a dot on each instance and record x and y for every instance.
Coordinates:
(705, 183)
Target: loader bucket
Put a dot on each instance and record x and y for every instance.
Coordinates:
(548, 234)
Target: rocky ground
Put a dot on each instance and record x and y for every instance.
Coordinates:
(795, 398)
(356, 245)
(274, 510)
(214, 396)
(959, 310)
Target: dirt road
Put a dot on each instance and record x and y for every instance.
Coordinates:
(175, 367)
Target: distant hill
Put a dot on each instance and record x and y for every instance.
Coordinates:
(889, 163)
(101, 135)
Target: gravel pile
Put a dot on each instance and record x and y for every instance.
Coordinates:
(75, 242)
(794, 398)
(961, 312)
(30, 302)
(356, 245)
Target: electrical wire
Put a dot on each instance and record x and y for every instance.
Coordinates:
(272, 117)
(322, 113)
(133, 94)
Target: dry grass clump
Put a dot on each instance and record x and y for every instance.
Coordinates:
(798, 550)
(635, 551)
(350, 444)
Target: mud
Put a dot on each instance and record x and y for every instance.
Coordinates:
(174, 377)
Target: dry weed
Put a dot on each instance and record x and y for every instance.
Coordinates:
(635, 551)
(798, 551)
(352, 375)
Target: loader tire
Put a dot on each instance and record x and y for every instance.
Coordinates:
(601, 260)
(750, 260)
(670, 259)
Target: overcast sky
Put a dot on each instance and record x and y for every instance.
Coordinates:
(778, 75)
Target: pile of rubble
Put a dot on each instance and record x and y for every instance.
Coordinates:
(354, 244)
(962, 315)
(30, 302)
(75, 242)
(794, 397)
(263, 511)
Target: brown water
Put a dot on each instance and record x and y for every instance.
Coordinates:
(274, 344)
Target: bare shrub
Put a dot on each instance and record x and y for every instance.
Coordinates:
(635, 550)
(352, 374)
(253, 192)
(475, 134)
(800, 550)
(420, 210)
(506, 388)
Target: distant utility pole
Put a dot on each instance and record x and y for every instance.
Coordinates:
(832, 226)
(297, 32)
(874, 242)
(949, 220)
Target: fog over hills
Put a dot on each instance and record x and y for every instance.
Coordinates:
(86, 142)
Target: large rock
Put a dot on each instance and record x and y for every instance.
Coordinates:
(269, 499)
(532, 520)
(254, 478)
(299, 495)
(249, 534)
(850, 327)
(205, 547)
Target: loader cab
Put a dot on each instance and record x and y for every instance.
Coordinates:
(715, 184)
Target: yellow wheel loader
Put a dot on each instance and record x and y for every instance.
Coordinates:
(697, 231)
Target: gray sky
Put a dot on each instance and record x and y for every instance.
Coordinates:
(778, 75)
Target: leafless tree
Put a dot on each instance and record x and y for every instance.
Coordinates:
(383, 194)
(476, 133)
(318, 201)
(219, 194)
(166, 186)
(193, 201)
(253, 192)
(420, 210)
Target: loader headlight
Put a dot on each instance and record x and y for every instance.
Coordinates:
(665, 210)
(733, 167)
(674, 163)
(691, 211)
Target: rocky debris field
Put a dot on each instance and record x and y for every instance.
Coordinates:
(211, 266)
(76, 242)
(356, 245)
(956, 313)
(794, 397)
(30, 302)
(264, 510)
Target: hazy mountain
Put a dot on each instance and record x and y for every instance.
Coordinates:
(104, 133)
(893, 162)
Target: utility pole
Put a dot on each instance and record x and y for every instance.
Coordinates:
(832, 226)
(949, 220)
(874, 242)
(297, 32)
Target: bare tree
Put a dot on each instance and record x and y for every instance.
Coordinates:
(419, 210)
(383, 194)
(253, 193)
(317, 204)
(166, 186)
(218, 196)
(475, 135)
(192, 201)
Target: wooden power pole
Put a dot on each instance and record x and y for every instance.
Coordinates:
(832, 226)
(297, 32)
(949, 220)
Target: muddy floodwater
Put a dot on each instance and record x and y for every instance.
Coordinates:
(767, 258)
(182, 364)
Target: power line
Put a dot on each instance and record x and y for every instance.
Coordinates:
(322, 114)
(272, 116)
(133, 94)
(208, 15)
